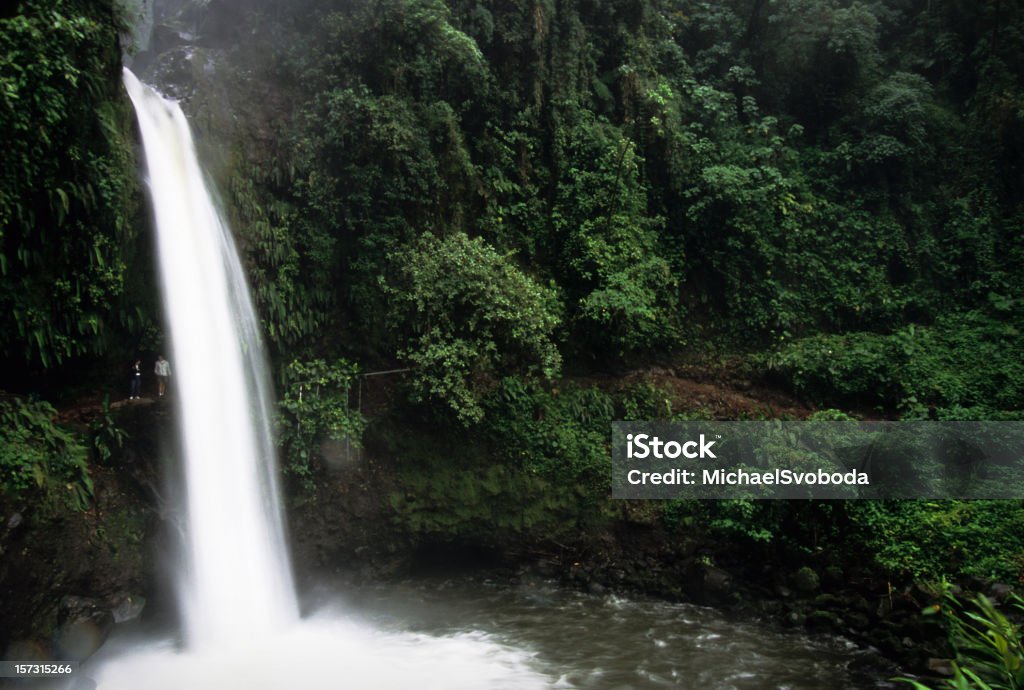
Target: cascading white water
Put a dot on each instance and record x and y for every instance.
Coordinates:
(237, 581)
(238, 600)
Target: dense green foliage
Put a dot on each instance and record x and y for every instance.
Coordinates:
(962, 361)
(933, 539)
(989, 646)
(902, 540)
(316, 405)
(68, 182)
(538, 464)
(473, 316)
(41, 462)
(561, 435)
(462, 496)
(834, 183)
(905, 540)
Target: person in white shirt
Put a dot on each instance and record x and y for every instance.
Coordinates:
(163, 372)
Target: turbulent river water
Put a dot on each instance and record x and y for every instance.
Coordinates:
(492, 635)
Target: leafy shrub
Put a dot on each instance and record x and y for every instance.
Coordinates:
(936, 539)
(466, 315)
(562, 435)
(967, 360)
(645, 401)
(315, 405)
(622, 292)
(104, 433)
(989, 646)
(40, 461)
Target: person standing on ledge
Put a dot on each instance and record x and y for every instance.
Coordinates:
(163, 372)
(136, 380)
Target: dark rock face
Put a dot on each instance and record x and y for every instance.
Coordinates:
(66, 577)
(174, 71)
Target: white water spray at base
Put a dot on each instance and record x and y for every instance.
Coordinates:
(328, 652)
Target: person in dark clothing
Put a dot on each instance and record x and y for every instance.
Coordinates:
(136, 380)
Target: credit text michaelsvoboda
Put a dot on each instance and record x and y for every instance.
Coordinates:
(642, 446)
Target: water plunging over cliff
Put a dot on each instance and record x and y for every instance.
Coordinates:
(236, 581)
(238, 601)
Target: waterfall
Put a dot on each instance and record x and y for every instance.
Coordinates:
(236, 577)
(238, 602)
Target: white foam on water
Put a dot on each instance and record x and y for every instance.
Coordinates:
(325, 653)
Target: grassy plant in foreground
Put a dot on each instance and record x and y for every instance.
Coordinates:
(989, 645)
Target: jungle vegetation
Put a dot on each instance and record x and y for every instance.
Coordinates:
(509, 197)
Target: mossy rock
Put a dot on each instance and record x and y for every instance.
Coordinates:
(823, 620)
(806, 580)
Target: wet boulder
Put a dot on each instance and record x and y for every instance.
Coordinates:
(83, 624)
(708, 584)
(128, 607)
